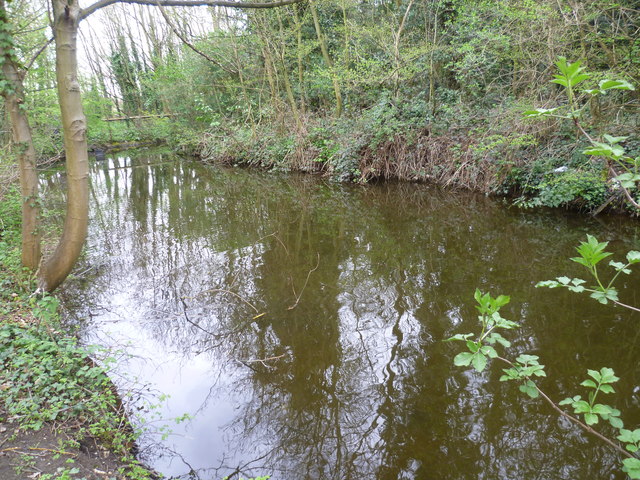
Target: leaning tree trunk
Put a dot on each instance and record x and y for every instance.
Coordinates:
(13, 93)
(66, 15)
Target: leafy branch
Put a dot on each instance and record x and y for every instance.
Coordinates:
(591, 253)
(526, 368)
(608, 147)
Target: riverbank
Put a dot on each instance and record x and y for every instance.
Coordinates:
(531, 163)
(60, 417)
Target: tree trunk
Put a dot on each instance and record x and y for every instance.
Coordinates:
(23, 141)
(301, 84)
(66, 15)
(327, 58)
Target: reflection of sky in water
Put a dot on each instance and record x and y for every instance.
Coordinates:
(347, 293)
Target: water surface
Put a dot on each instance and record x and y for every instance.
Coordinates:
(300, 324)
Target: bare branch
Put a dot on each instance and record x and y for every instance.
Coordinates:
(38, 53)
(187, 3)
(189, 44)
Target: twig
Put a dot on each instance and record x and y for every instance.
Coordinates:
(61, 452)
(226, 291)
(304, 286)
(37, 54)
(626, 192)
(262, 360)
(626, 306)
(599, 210)
(189, 44)
(186, 317)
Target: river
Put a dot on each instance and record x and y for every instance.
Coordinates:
(300, 324)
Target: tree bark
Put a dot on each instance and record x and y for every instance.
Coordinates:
(66, 16)
(22, 139)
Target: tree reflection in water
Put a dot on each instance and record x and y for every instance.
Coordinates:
(300, 323)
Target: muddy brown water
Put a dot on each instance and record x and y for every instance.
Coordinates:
(300, 324)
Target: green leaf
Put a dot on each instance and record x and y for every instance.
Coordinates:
(591, 252)
(579, 78)
(529, 388)
(479, 362)
(616, 422)
(595, 375)
(606, 388)
(473, 346)
(501, 301)
(629, 436)
(560, 80)
(601, 409)
(463, 359)
(633, 257)
(606, 295)
(628, 180)
(613, 140)
(604, 150)
(578, 289)
(539, 112)
(459, 336)
(608, 375)
(548, 284)
(510, 374)
(581, 407)
(489, 351)
(526, 359)
(632, 467)
(589, 383)
(619, 267)
(615, 85)
(496, 337)
(590, 418)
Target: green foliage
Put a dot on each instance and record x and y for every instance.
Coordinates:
(572, 187)
(525, 368)
(608, 147)
(42, 377)
(14, 280)
(600, 382)
(44, 374)
(481, 349)
(591, 253)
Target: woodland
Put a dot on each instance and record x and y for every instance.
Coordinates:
(356, 90)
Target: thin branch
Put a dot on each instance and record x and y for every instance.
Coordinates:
(626, 192)
(186, 317)
(187, 3)
(626, 306)
(189, 44)
(38, 53)
(229, 292)
(304, 286)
